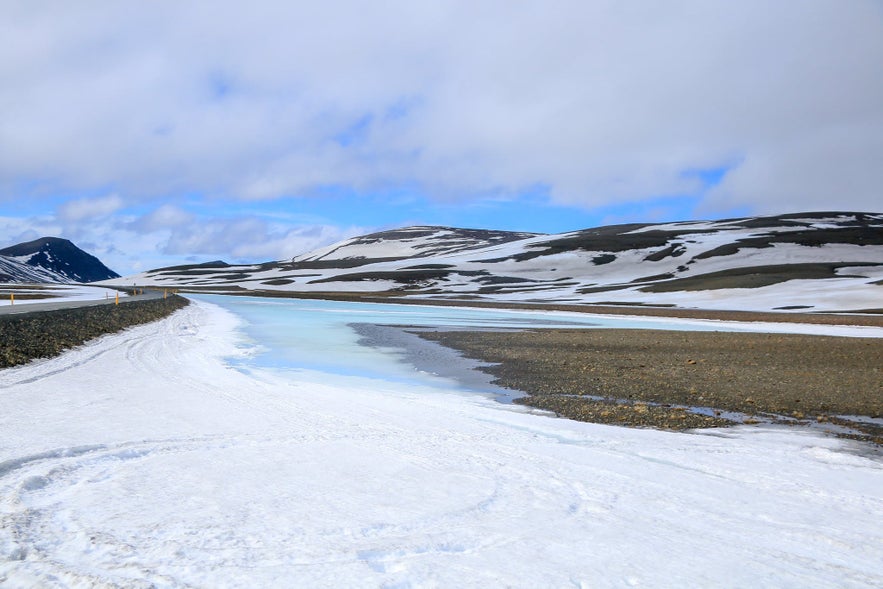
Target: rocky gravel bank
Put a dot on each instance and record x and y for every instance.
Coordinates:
(648, 377)
(49, 333)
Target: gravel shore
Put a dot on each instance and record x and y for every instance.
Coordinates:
(652, 378)
(48, 333)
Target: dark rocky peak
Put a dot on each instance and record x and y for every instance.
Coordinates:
(61, 257)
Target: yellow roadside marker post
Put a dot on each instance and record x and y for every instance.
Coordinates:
(12, 298)
(116, 299)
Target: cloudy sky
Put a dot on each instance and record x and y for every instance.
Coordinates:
(153, 133)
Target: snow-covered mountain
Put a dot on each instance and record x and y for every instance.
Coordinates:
(12, 270)
(806, 261)
(408, 242)
(53, 260)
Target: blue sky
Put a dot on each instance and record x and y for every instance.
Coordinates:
(167, 132)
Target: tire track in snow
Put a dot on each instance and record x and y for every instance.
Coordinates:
(42, 524)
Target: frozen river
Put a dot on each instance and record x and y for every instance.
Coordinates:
(245, 443)
(324, 335)
(332, 336)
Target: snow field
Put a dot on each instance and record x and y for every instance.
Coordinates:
(56, 293)
(146, 458)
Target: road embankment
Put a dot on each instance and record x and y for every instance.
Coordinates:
(43, 334)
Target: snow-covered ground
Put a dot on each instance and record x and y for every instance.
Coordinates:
(55, 293)
(169, 456)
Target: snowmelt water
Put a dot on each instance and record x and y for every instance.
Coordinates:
(319, 334)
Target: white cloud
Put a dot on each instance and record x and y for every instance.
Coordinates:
(603, 101)
(285, 244)
(164, 217)
(89, 208)
(14, 230)
(251, 238)
(837, 168)
(169, 235)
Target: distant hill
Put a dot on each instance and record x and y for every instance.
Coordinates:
(408, 242)
(51, 259)
(801, 262)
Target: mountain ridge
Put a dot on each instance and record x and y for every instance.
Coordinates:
(830, 260)
(51, 259)
(419, 240)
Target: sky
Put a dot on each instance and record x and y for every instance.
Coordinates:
(168, 132)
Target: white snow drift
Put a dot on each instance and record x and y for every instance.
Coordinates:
(146, 459)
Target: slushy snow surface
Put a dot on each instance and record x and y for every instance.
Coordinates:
(171, 455)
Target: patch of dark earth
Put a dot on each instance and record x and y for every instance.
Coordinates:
(49, 333)
(686, 380)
